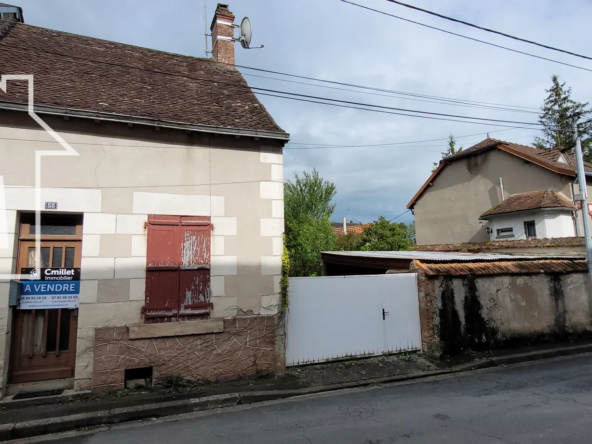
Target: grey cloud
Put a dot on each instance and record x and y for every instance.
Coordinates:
(329, 39)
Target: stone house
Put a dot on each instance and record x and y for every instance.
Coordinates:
(161, 204)
(449, 205)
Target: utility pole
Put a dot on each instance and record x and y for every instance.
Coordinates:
(582, 197)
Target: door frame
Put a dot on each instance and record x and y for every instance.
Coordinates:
(57, 364)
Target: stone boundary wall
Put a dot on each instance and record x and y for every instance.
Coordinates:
(460, 314)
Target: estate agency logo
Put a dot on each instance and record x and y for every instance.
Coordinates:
(66, 151)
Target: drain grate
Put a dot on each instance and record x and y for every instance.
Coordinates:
(38, 394)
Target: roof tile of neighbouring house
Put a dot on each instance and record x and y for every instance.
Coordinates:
(92, 75)
(547, 157)
(502, 267)
(351, 228)
(531, 201)
(477, 247)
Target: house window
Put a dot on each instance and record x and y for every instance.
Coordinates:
(505, 233)
(530, 229)
(177, 269)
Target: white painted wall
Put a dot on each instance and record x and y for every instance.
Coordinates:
(549, 224)
(332, 317)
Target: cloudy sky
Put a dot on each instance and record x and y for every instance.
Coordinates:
(331, 40)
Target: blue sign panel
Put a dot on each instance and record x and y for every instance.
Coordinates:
(37, 295)
(50, 288)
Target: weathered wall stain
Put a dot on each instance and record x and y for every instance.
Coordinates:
(560, 320)
(497, 311)
(450, 325)
(477, 332)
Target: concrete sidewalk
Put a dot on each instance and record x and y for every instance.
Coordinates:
(41, 416)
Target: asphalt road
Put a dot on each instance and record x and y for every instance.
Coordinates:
(544, 402)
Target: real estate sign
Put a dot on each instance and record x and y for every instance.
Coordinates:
(50, 288)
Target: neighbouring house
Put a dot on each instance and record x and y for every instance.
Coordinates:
(160, 225)
(449, 205)
(543, 214)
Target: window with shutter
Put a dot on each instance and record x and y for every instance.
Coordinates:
(178, 269)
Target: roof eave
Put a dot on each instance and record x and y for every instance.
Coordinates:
(556, 169)
(84, 114)
(489, 216)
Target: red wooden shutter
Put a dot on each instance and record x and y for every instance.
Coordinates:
(162, 270)
(178, 268)
(195, 267)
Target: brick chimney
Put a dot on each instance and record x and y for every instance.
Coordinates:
(222, 35)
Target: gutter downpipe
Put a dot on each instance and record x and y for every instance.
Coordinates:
(583, 198)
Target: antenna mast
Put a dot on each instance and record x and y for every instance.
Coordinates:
(206, 27)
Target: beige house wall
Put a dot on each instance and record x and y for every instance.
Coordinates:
(121, 175)
(449, 209)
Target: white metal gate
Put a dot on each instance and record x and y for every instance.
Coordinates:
(340, 316)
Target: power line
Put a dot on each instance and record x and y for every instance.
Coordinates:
(308, 145)
(466, 37)
(489, 30)
(408, 142)
(396, 95)
(396, 145)
(402, 214)
(381, 109)
(159, 186)
(310, 99)
(334, 82)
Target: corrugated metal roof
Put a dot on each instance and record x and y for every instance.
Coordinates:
(502, 267)
(445, 257)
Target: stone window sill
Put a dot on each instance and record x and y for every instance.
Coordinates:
(187, 328)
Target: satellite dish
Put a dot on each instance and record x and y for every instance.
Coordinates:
(246, 32)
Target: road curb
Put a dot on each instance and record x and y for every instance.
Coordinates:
(519, 358)
(48, 426)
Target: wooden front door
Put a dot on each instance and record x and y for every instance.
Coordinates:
(43, 345)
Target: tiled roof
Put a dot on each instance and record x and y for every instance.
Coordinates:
(546, 157)
(476, 247)
(81, 73)
(503, 267)
(351, 228)
(530, 201)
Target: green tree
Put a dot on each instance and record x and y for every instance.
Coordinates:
(383, 235)
(559, 112)
(308, 207)
(349, 242)
(452, 149)
(306, 238)
(309, 194)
